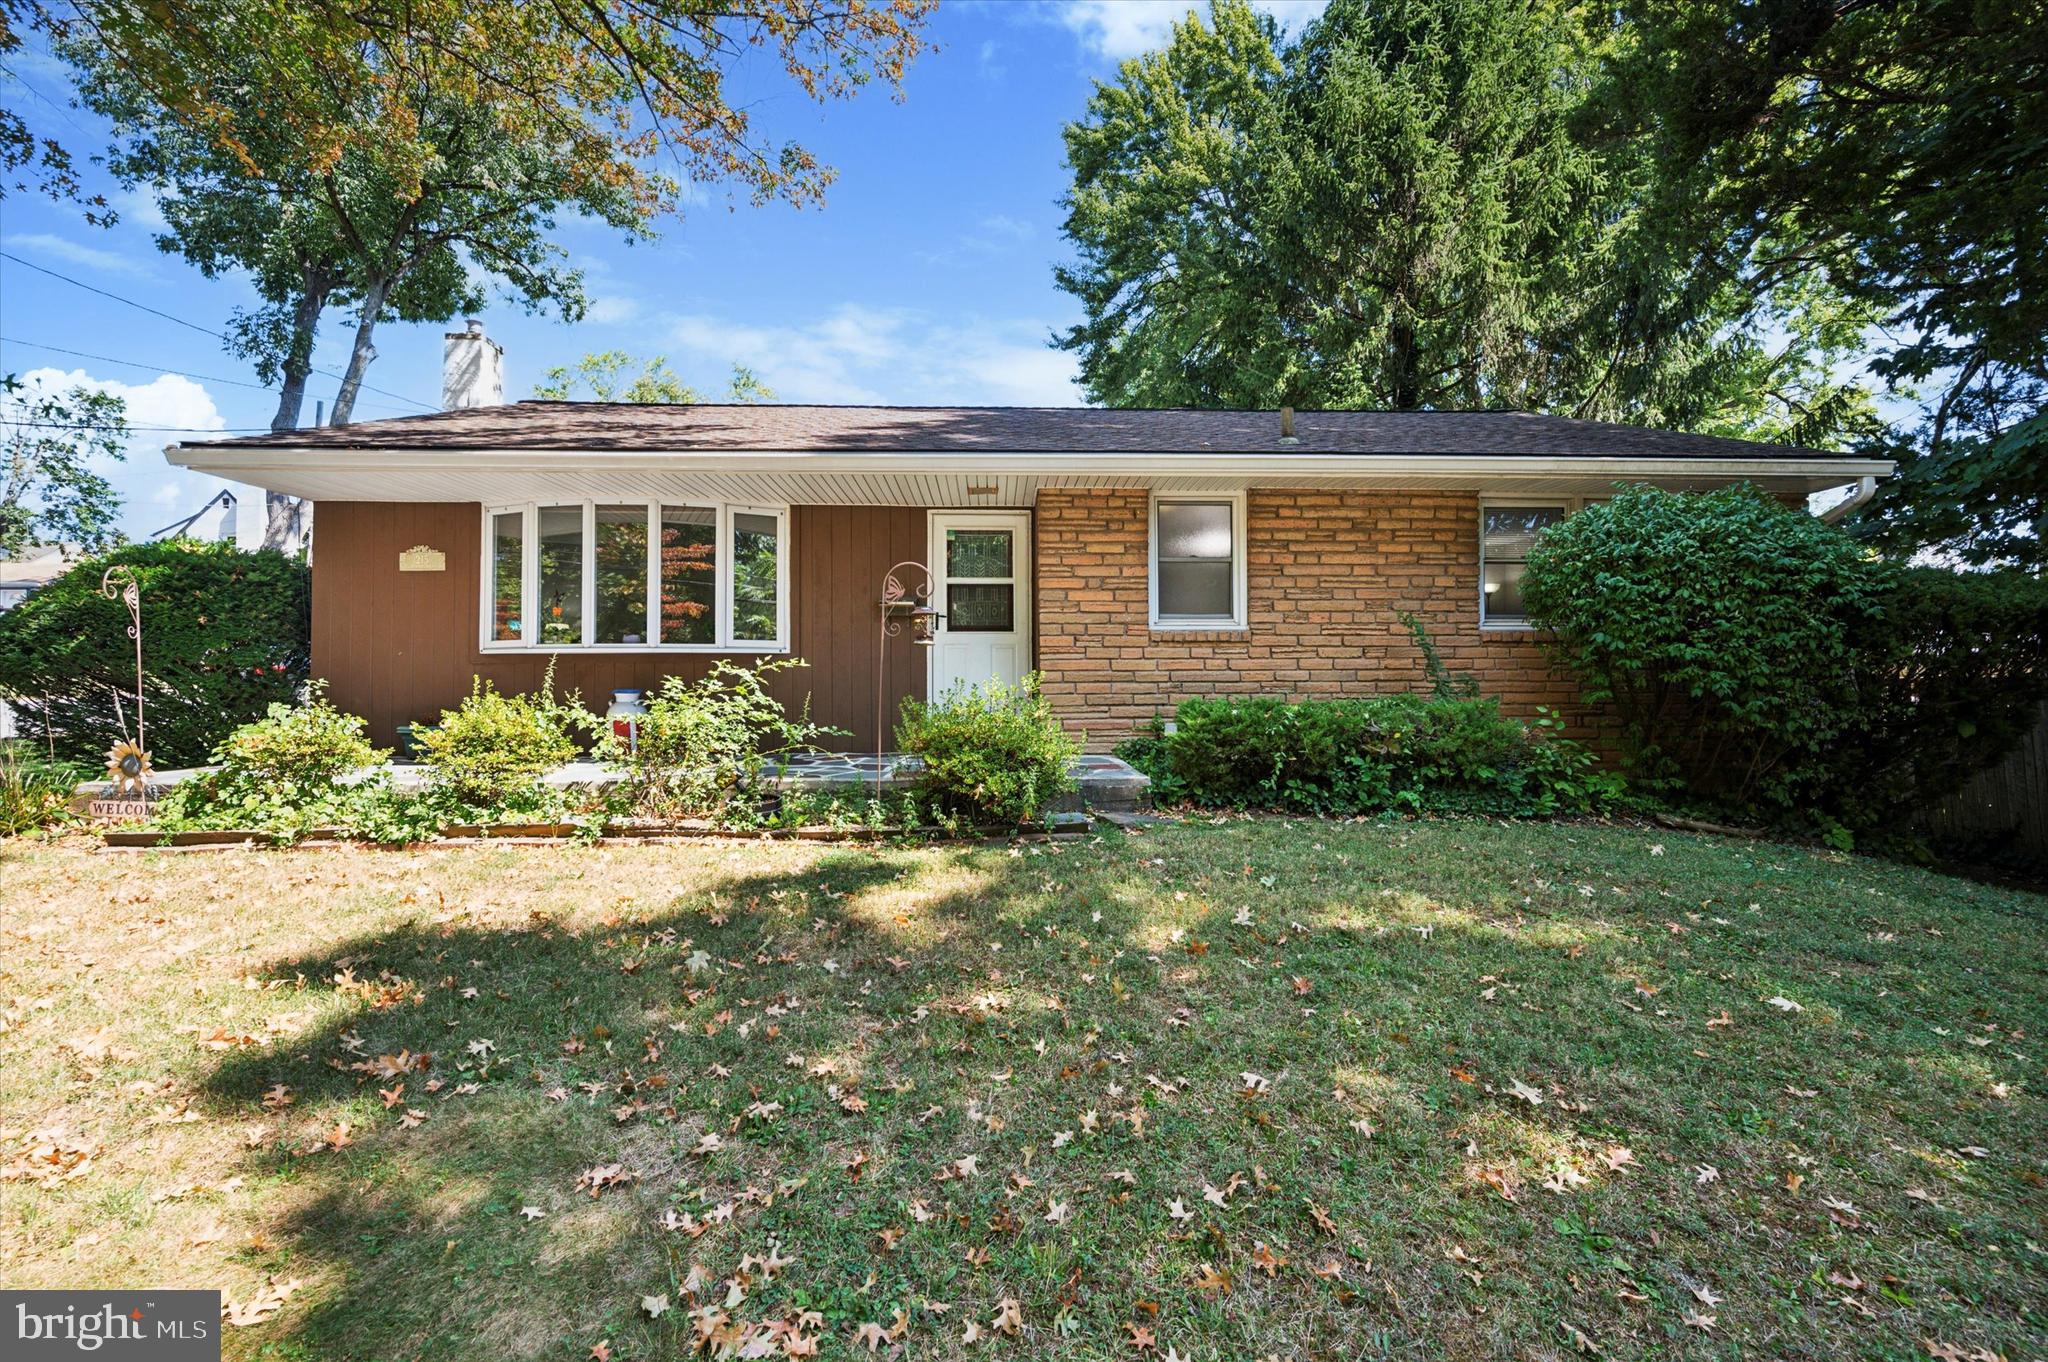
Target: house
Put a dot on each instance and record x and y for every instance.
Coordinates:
(1133, 558)
(213, 523)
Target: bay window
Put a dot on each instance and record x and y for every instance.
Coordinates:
(636, 575)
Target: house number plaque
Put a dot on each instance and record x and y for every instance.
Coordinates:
(420, 558)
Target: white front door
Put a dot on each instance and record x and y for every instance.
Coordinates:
(981, 563)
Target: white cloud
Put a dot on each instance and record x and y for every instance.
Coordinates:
(885, 355)
(1119, 29)
(610, 309)
(78, 253)
(153, 491)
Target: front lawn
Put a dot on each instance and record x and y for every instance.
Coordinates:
(1235, 1090)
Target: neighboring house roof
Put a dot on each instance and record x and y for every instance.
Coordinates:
(224, 527)
(766, 428)
(39, 566)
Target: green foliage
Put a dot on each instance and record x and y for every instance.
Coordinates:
(35, 793)
(1717, 626)
(992, 753)
(491, 750)
(704, 744)
(225, 635)
(1760, 661)
(1951, 673)
(49, 493)
(602, 374)
(1388, 753)
(1416, 204)
(309, 741)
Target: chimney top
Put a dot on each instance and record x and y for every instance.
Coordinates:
(472, 368)
(1287, 426)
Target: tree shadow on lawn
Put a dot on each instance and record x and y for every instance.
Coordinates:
(985, 986)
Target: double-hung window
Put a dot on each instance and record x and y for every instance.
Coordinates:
(636, 575)
(1198, 578)
(1506, 534)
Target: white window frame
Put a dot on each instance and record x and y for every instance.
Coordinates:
(722, 595)
(1239, 596)
(1571, 506)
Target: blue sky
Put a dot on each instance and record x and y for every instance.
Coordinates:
(925, 278)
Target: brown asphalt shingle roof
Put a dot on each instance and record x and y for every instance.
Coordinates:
(613, 426)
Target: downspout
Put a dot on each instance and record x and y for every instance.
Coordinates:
(1866, 488)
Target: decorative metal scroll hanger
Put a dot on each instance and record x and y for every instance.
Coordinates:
(901, 600)
(128, 763)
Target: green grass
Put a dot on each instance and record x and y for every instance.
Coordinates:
(1080, 1019)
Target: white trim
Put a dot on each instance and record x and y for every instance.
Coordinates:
(1239, 596)
(722, 531)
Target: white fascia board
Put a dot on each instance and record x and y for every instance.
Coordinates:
(248, 464)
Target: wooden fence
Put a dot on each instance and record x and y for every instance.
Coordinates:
(2012, 796)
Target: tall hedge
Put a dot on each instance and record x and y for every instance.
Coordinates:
(225, 634)
(1760, 659)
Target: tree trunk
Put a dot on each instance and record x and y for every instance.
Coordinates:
(362, 353)
(298, 361)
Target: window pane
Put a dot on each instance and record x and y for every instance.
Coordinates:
(1198, 588)
(1510, 531)
(1504, 591)
(755, 551)
(621, 574)
(1194, 529)
(561, 574)
(508, 572)
(977, 553)
(689, 574)
(980, 607)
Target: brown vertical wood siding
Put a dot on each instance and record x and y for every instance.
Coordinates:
(396, 646)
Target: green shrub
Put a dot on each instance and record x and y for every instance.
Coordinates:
(282, 774)
(1761, 661)
(1719, 628)
(1379, 754)
(224, 633)
(35, 793)
(1951, 675)
(703, 744)
(489, 752)
(992, 753)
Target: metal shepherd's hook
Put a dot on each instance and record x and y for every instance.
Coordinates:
(900, 599)
(118, 583)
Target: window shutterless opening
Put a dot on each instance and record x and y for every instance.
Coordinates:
(1198, 572)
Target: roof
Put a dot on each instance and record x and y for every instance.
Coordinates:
(774, 428)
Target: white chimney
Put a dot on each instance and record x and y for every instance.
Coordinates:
(472, 369)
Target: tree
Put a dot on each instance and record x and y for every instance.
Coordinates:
(49, 492)
(1892, 150)
(602, 371)
(1414, 205)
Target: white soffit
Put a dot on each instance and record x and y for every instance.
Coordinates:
(910, 479)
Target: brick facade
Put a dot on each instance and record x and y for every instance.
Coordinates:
(1327, 573)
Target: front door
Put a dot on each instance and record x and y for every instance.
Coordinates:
(981, 561)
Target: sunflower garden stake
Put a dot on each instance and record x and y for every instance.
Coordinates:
(128, 762)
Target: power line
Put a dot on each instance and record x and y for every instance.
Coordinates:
(168, 430)
(194, 326)
(158, 368)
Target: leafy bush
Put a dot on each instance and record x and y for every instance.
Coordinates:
(1951, 674)
(489, 752)
(1720, 629)
(992, 753)
(225, 635)
(35, 793)
(282, 774)
(1378, 754)
(1761, 661)
(703, 744)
